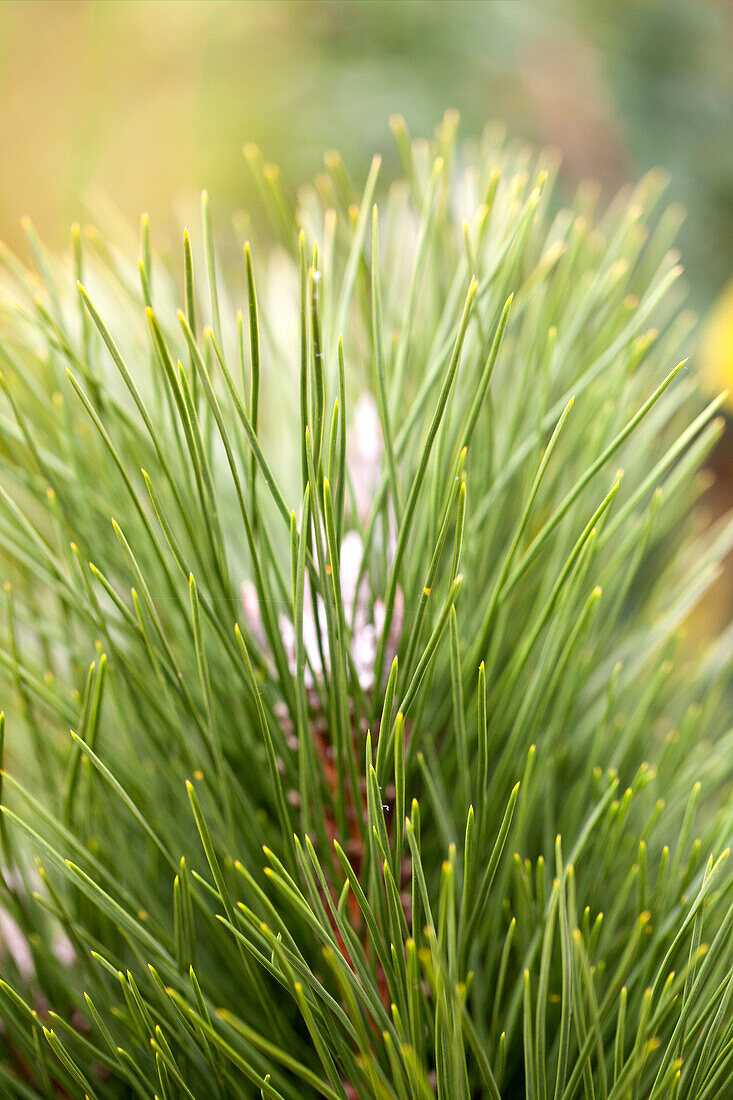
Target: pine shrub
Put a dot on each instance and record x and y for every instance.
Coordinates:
(353, 746)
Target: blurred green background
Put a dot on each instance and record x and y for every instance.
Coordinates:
(151, 101)
(146, 103)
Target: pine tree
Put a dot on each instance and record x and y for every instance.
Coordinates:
(353, 745)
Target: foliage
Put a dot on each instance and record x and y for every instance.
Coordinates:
(438, 803)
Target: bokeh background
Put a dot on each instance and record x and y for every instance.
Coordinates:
(143, 104)
(146, 103)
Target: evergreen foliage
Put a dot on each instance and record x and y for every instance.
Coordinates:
(352, 749)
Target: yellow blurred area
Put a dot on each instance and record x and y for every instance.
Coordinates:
(121, 96)
(716, 353)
